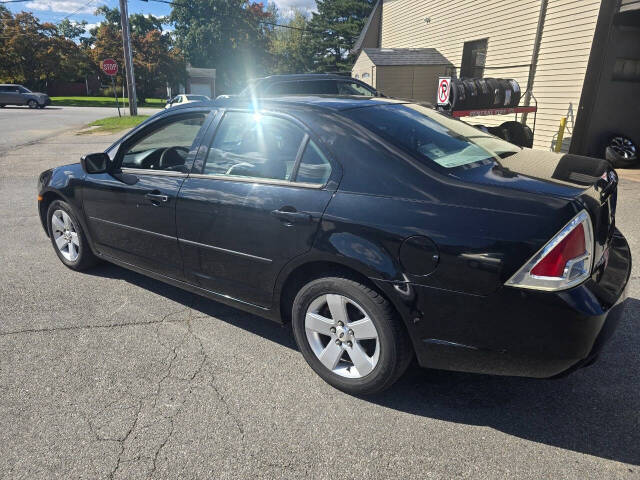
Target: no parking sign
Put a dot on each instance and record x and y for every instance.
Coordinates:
(444, 87)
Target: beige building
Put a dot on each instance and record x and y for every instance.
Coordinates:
(545, 45)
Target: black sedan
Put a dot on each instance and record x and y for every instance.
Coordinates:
(380, 229)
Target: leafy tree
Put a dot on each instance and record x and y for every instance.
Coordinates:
(290, 45)
(336, 26)
(223, 34)
(72, 30)
(156, 61)
(35, 53)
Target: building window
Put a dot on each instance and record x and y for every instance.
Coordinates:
(365, 76)
(474, 56)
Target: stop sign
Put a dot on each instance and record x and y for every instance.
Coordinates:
(109, 66)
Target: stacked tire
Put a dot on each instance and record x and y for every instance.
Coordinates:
(484, 93)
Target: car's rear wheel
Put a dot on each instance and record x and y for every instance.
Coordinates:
(32, 103)
(350, 335)
(68, 238)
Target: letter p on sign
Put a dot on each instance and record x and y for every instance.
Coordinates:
(444, 87)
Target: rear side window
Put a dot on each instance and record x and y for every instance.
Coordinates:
(314, 166)
(254, 145)
(353, 88)
(431, 136)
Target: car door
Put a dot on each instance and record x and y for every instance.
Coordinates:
(131, 212)
(252, 203)
(13, 96)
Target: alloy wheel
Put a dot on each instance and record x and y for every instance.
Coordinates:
(342, 336)
(65, 235)
(624, 147)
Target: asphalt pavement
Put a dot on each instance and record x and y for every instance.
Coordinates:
(109, 374)
(21, 126)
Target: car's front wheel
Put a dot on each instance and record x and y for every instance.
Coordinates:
(68, 238)
(350, 335)
(2, 105)
(32, 103)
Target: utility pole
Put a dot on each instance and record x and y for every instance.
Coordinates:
(128, 58)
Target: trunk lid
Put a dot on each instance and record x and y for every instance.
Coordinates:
(590, 183)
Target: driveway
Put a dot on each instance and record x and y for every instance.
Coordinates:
(21, 125)
(109, 374)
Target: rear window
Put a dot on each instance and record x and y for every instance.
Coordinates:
(431, 136)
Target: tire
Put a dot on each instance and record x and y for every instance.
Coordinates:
(32, 104)
(621, 152)
(2, 105)
(76, 255)
(379, 362)
(517, 133)
(41, 106)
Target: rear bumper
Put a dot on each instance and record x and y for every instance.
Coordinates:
(520, 332)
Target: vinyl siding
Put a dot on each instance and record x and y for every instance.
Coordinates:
(364, 65)
(562, 64)
(510, 27)
(409, 81)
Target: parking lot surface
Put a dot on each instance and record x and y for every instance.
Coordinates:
(109, 374)
(21, 126)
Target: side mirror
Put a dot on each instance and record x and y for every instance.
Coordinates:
(96, 163)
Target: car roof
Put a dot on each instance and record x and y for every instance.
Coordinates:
(301, 76)
(9, 85)
(320, 102)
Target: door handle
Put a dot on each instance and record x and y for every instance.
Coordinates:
(291, 217)
(157, 197)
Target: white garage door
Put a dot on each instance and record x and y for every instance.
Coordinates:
(199, 88)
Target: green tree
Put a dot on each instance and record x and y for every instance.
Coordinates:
(336, 26)
(226, 35)
(156, 60)
(290, 45)
(72, 30)
(35, 53)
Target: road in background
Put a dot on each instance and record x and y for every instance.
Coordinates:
(22, 125)
(111, 375)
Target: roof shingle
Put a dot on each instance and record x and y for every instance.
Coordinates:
(406, 56)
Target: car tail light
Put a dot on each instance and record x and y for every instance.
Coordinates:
(565, 261)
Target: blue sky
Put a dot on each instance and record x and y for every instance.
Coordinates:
(56, 10)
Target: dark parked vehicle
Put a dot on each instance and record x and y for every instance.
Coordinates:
(380, 229)
(308, 84)
(19, 95)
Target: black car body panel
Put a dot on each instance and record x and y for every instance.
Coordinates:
(439, 244)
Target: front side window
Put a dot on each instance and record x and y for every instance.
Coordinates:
(431, 136)
(24, 90)
(254, 145)
(166, 147)
(353, 88)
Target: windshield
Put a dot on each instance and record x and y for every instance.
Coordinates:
(429, 135)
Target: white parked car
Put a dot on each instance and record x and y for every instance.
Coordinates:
(185, 98)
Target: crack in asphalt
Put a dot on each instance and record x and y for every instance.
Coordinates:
(149, 404)
(89, 327)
